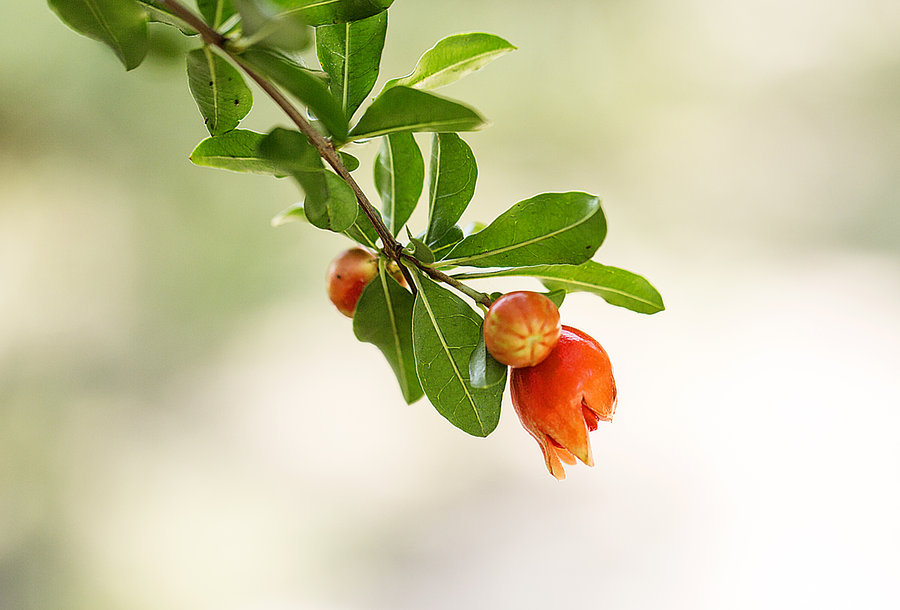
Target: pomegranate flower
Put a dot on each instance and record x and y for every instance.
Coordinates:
(564, 397)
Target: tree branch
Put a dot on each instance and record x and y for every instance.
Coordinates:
(324, 147)
(392, 248)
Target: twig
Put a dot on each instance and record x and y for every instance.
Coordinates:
(391, 247)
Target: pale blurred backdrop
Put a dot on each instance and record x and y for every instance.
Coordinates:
(186, 422)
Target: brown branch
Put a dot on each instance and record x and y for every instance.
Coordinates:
(440, 276)
(323, 146)
(392, 248)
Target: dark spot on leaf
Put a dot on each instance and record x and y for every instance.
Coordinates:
(210, 83)
(236, 102)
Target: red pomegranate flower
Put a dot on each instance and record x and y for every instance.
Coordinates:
(564, 397)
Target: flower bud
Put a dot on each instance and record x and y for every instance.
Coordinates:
(347, 275)
(521, 328)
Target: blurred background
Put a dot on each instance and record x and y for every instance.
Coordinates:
(186, 422)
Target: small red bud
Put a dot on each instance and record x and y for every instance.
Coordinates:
(347, 275)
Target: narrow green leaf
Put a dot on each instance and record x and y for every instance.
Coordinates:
(557, 296)
(290, 151)
(405, 109)
(235, 151)
(349, 161)
(452, 58)
(445, 332)
(351, 55)
(419, 250)
(399, 176)
(158, 13)
(616, 286)
(303, 85)
(293, 213)
(219, 90)
(473, 227)
(215, 12)
(267, 24)
(453, 176)
(361, 231)
(330, 203)
(119, 24)
(383, 318)
(551, 228)
(324, 12)
(442, 246)
(484, 370)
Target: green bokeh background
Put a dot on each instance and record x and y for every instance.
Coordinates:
(186, 422)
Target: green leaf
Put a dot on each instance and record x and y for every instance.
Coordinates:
(551, 228)
(399, 176)
(445, 332)
(453, 176)
(215, 12)
(119, 24)
(158, 13)
(484, 370)
(219, 90)
(235, 151)
(419, 250)
(361, 231)
(557, 296)
(290, 151)
(330, 203)
(405, 109)
(351, 54)
(324, 12)
(616, 286)
(266, 24)
(442, 246)
(303, 85)
(293, 213)
(383, 318)
(349, 161)
(452, 58)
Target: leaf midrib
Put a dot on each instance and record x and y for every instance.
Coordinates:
(217, 20)
(407, 127)
(446, 348)
(393, 178)
(433, 191)
(98, 15)
(423, 83)
(210, 60)
(233, 158)
(475, 257)
(346, 68)
(300, 9)
(387, 298)
(475, 276)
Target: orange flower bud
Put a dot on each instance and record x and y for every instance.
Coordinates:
(561, 399)
(521, 328)
(347, 276)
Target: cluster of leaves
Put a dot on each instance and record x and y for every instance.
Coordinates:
(430, 336)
